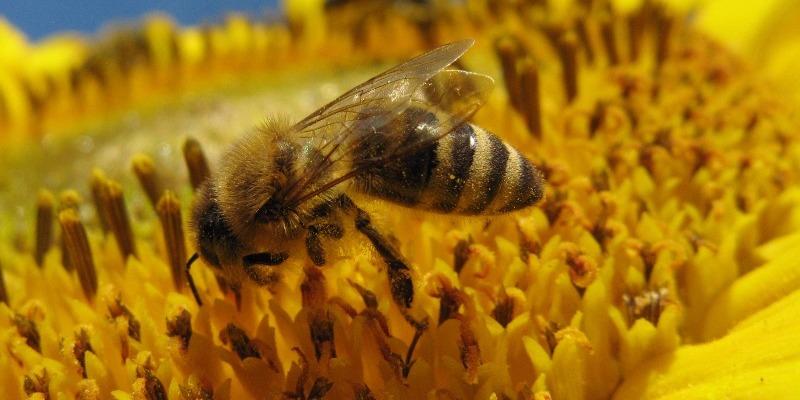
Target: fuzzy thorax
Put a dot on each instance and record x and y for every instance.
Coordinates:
(249, 174)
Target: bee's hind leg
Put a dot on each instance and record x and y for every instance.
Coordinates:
(313, 243)
(254, 266)
(400, 281)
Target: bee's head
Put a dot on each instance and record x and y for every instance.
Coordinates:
(216, 244)
(215, 241)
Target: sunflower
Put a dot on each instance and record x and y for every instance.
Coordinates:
(661, 263)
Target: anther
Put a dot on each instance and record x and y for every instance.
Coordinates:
(636, 27)
(68, 200)
(79, 349)
(607, 32)
(97, 185)
(195, 162)
(507, 52)
(112, 204)
(531, 97)
(567, 49)
(461, 254)
(180, 326)
(26, 328)
(647, 305)
(585, 37)
(664, 27)
(169, 213)
(3, 292)
(239, 341)
(503, 311)
(145, 172)
(44, 225)
(80, 254)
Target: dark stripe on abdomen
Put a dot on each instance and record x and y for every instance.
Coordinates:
(528, 188)
(401, 179)
(494, 177)
(462, 149)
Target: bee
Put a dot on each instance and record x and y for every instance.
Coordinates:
(402, 136)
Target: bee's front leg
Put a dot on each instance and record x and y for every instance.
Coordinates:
(254, 265)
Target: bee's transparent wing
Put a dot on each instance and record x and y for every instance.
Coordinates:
(452, 96)
(381, 97)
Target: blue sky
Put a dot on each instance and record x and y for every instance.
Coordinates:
(40, 18)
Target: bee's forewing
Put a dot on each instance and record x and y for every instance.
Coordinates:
(387, 93)
(342, 125)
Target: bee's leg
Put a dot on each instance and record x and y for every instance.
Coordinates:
(189, 278)
(400, 282)
(313, 243)
(314, 248)
(254, 266)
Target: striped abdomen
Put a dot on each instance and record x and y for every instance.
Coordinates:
(469, 171)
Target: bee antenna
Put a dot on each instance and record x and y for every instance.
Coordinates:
(189, 263)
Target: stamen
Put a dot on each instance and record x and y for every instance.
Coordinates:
(37, 383)
(3, 291)
(647, 305)
(76, 245)
(607, 32)
(503, 311)
(584, 35)
(148, 386)
(97, 183)
(506, 50)
(567, 50)
(169, 213)
(26, 328)
(180, 326)
(239, 341)
(79, 349)
(145, 172)
(470, 351)
(69, 200)
(44, 225)
(320, 388)
(531, 101)
(112, 204)
(664, 27)
(636, 28)
(461, 254)
(196, 162)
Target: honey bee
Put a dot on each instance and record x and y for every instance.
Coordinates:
(401, 136)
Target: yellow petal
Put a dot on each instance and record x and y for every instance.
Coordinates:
(760, 358)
